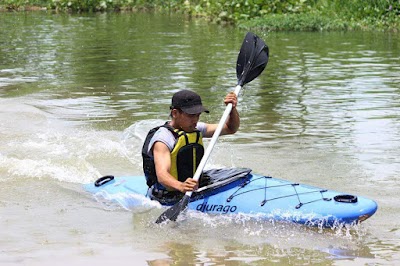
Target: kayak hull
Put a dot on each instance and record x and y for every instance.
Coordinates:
(263, 197)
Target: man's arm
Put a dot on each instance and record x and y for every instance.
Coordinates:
(162, 161)
(233, 122)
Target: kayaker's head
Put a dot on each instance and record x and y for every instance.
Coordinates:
(186, 108)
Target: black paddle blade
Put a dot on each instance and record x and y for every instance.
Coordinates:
(173, 212)
(252, 59)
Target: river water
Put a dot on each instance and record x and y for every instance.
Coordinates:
(79, 92)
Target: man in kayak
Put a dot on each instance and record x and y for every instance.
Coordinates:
(172, 152)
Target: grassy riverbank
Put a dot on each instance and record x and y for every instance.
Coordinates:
(272, 15)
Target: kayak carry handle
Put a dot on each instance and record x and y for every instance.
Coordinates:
(346, 198)
(103, 180)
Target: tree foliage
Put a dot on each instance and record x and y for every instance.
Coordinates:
(345, 13)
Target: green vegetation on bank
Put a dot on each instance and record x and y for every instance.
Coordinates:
(310, 15)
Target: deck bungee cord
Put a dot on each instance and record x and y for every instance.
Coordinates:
(266, 187)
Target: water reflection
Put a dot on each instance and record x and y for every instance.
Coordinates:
(180, 254)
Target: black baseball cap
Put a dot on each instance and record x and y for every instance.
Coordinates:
(188, 101)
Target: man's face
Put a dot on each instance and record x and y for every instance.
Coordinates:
(186, 122)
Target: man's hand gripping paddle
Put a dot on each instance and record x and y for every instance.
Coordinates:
(252, 59)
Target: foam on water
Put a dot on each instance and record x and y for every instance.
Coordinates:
(245, 231)
(36, 145)
(129, 201)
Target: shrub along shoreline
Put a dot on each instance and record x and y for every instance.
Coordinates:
(271, 15)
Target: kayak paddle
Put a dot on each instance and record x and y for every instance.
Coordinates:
(252, 59)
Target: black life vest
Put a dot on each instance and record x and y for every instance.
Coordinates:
(185, 156)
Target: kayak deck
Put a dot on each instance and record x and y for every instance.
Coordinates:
(262, 196)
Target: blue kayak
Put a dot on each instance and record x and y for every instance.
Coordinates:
(237, 191)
